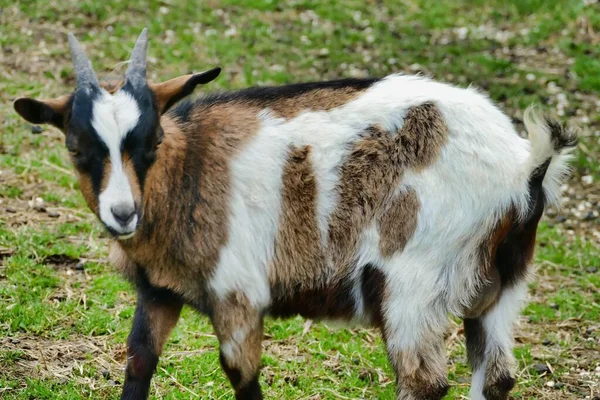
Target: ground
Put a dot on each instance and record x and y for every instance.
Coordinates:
(65, 313)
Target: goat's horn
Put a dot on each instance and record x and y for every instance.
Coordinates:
(136, 71)
(84, 73)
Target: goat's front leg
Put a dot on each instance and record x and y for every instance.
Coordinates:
(489, 346)
(156, 315)
(239, 328)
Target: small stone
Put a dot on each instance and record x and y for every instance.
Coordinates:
(560, 219)
(587, 180)
(550, 383)
(547, 342)
(106, 374)
(39, 207)
(559, 385)
(36, 129)
(589, 216)
(541, 369)
(554, 306)
(53, 214)
(79, 266)
(591, 270)
(324, 52)
(10, 210)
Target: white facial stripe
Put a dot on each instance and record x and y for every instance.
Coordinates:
(113, 118)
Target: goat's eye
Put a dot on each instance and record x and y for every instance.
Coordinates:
(149, 156)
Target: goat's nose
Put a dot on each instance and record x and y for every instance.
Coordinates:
(123, 213)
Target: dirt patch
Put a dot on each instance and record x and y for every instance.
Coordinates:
(62, 360)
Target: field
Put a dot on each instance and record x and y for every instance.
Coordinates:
(65, 313)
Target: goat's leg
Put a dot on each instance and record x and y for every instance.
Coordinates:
(415, 345)
(489, 346)
(156, 315)
(239, 328)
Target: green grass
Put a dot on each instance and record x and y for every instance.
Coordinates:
(62, 331)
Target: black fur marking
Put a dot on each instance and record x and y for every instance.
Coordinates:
(82, 140)
(373, 286)
(515, 251)
(140, 143)
(438, 392)
(475, 336)
(234, 374)
(183, 111)
(561, 137)
(251, 391)
(38, 112)
(264, 96)
(142, 359)
(333, 301)
(190, 85)
(500, 389)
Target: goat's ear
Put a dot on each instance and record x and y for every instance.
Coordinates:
(51, 111)
(170, 92)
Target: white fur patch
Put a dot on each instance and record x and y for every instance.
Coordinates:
(542, 148)
(231, 349)
(113, 118)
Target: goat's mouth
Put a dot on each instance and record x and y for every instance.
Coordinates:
(122, 232)
(125, 236)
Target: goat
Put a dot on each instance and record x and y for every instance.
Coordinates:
(387, 202)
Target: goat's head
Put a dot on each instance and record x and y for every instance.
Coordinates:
(112, 131)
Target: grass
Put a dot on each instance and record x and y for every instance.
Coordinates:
(63, 326)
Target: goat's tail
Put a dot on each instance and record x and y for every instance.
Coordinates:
(551, 147)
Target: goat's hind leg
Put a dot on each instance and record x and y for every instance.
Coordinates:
(490, 346)
(415, 345)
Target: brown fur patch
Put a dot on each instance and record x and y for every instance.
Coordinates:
(373, 170)
(366, 180)
(239, 328)
(165, 91)
(186, 197)
(398, 223)
(299, 254)
(314, 100)
(121, 261)
(87, 190)
(421, 374)
(132, 178)
(422, 136)
(59, 104)
(162, 319)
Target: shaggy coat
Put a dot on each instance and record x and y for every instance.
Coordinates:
(388, 202)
